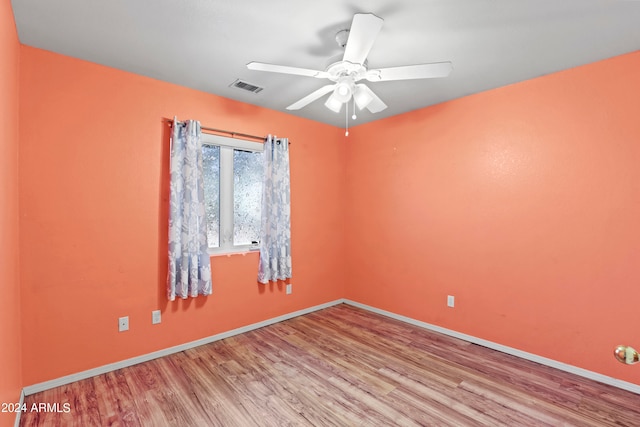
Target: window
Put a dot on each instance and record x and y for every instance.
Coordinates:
(233, 192)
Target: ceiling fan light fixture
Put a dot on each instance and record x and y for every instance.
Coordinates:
(362, 97)
(333, 103)
(344, 89)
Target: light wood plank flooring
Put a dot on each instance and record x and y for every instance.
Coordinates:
(341, 366)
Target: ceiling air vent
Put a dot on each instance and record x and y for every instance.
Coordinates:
(246, 86)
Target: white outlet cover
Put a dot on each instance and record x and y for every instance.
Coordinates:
(123, 324)
(450, 301)
(288, 289)
(156, 317)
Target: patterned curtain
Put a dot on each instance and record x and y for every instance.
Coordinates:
(189, 263)
(275, 232)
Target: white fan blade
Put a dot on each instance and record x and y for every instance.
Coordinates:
(375, 105)
(284, 69)
(311, 97)
(420, 71)
(364, 30)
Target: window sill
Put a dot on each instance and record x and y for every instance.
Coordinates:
(243, 252)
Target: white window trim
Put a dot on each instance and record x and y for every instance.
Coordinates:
(227, 145)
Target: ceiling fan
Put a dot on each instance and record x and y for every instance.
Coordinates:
(346, 73)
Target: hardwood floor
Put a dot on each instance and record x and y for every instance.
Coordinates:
(341, 366)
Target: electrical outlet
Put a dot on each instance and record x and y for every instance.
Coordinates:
(288, 289)
(156, 317)
(451, 301)
(123, 324)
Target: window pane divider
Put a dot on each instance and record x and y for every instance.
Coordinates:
(226, 199)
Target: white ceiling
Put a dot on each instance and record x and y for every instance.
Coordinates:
(206, 44)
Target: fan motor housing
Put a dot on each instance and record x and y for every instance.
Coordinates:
(340, 69)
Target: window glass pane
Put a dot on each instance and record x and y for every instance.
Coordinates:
(211, 172)
(247, 196)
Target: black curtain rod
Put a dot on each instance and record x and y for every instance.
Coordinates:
(232, 134)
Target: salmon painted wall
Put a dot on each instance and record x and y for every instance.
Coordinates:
(10, 357)
(93, 199)
(523, 202)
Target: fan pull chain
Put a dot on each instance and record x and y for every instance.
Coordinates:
(346, 110)
(354, 110)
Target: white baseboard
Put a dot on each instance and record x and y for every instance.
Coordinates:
(634, 388)
(36, 388)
